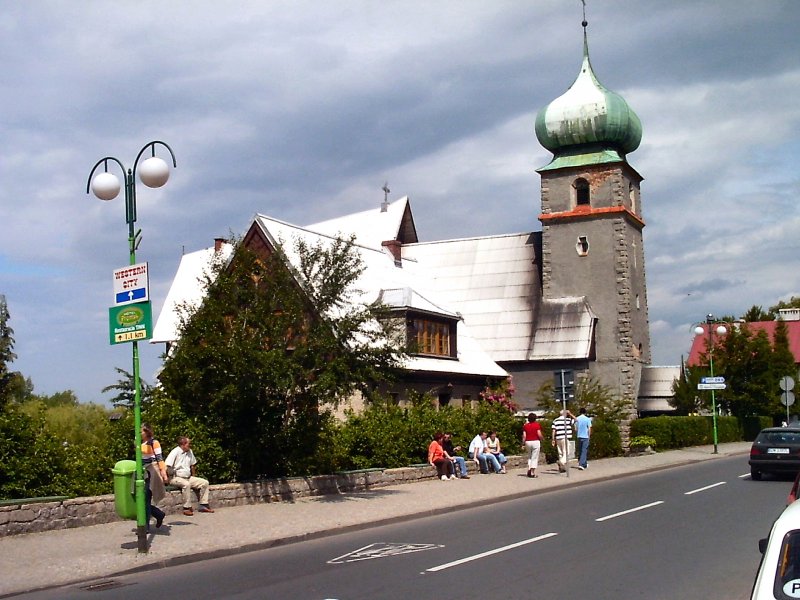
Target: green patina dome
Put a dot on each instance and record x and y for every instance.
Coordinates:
(588, 114)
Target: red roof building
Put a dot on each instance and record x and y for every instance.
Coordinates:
(792, 327)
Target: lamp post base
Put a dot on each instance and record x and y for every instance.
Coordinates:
(141, 538)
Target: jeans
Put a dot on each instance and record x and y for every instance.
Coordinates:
(151, 509)
(583, 451)
(461, 464)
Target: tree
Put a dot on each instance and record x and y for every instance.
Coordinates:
(6, 352)
(794, 302)
(126, 391)
(686, 399)
(273, 347)
(755, 314)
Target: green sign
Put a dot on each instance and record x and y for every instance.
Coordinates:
(130, 323)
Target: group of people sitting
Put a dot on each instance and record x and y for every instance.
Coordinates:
(484, 449)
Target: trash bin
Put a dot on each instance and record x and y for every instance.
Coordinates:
(124, 501)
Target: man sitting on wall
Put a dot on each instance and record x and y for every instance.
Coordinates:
(181, 465)
(479, 452)
(460, 463)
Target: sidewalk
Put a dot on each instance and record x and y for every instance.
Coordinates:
(99, 551)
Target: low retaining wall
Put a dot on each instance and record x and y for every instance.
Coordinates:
(34, 515)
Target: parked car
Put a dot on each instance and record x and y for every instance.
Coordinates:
(775, 450)
(778, 574)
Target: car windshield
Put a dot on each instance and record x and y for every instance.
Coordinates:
(779, 437)
(787, 577)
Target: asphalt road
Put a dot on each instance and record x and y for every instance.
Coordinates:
(683, 533)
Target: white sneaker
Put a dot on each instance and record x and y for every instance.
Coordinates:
(580, 468)
(452, 477)
(444, 477)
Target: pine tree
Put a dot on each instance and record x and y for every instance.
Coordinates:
(6, 352)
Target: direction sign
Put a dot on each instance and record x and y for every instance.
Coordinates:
(711, 386)
(131, 284)
(712, 380)
(130, 323)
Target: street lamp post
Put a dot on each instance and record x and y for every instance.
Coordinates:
(720, 330)
(154, 173)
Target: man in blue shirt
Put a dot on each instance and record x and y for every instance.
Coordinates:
(584, 427)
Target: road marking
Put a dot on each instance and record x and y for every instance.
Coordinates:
(455, 563)
(630, 510)
(703, 489)
(744, 475)
(381, 550)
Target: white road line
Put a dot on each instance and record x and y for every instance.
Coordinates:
(455, 563)
(745, 475)
(703, 489)
(630, 510)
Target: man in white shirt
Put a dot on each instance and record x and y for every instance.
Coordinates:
(182, 460)
(477, 450)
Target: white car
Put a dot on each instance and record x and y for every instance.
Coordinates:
(779, 573)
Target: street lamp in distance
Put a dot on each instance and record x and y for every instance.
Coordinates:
(154, 173)
(720, 330)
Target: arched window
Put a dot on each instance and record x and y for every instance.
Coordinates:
(581, 191)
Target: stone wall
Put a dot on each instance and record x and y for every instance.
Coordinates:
(30, 516)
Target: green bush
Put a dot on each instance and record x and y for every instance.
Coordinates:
(681, 432)
(642, 441)
(605, 440)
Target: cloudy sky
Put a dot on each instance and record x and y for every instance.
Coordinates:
(303, 109)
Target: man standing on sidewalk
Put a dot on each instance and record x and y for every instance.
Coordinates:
(183, 463)
(583, 425)
(562, 433)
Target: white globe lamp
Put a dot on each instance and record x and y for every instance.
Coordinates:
(154, 172)
(106, 186)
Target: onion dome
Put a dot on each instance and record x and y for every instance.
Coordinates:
(588, 114)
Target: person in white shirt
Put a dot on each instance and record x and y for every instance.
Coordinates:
(478, 450)
(182, 464)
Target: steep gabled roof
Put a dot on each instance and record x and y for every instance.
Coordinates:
(493, 282)
(406, 284)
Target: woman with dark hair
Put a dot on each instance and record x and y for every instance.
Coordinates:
(532, 440)
(439, 459)
(155, 475)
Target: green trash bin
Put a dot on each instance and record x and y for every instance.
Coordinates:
(124, 501)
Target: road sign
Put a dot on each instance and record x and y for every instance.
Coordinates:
(131, 284)
(787, 398)
(786, 383)
(130, 323)
(711, 386)
(712, 380)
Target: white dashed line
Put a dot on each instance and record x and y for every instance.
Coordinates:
(455, 563)
(630, 510)
(703, 489)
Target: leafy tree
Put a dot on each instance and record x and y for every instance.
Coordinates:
(755, 314)
(20, 388)
(126, 392)
(271, 348)
(598, 399)
(6, 352)
(794, 302)
(686, 399)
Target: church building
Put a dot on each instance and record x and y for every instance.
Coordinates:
(571, 296)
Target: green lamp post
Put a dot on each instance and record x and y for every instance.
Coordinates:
(154, 173)
(710, 330)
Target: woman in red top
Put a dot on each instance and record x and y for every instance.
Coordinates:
(439, 459)
(532, 440)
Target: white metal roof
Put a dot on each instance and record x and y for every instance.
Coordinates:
(564, 329)
(491, 282)
(406, 285)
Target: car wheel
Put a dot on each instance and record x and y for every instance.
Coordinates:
(755, 474)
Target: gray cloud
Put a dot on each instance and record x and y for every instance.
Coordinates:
(302, 110)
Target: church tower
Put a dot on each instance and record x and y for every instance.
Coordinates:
(592, 222)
